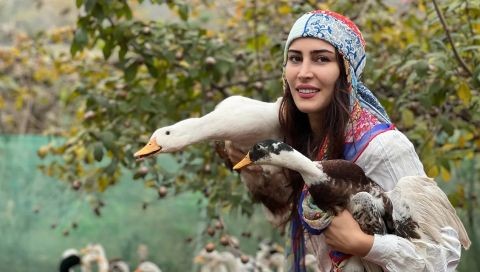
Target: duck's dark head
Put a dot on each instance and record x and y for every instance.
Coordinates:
(261, 153)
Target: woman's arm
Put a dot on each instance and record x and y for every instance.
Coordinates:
(391, 252)
(394, 253)
(388, 157)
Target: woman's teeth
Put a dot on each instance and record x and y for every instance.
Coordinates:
(306, 91)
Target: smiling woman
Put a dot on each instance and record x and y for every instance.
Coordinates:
(327, 113)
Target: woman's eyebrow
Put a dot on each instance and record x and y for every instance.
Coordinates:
(294, 51)
(317, 51)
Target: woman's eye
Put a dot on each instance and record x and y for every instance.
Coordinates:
(322, 59)
(295, 59)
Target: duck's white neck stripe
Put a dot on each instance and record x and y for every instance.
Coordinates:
(320, 175)
(312, 172)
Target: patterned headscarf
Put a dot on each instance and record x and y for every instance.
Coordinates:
(367, 116)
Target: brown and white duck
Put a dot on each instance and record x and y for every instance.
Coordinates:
(421, 208)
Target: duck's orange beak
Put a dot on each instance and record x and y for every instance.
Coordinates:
(199, 260)
(149, 149)
(246, 161)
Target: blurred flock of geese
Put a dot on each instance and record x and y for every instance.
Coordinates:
(270, 257)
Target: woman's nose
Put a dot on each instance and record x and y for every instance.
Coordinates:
(305, 71)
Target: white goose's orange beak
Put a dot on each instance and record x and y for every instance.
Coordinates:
(246, 161)
(149, 149)
(199, 260)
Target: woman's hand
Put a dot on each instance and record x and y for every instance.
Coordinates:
(344, 235)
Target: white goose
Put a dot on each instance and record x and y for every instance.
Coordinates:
(210, 260)
(94, 253)
(118, 266)
(70, 259)
(270, 257)
(431, 212)
(238, 119)
(242, 120)
(147, 266)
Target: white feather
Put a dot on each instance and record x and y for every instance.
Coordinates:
(431, 209)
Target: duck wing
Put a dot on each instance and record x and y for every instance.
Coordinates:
(343, 180)
(372, 211)
(429, 207)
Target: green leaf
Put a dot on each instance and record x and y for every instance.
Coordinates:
(437, 94)
(89, 5)
(110, 168)
(464, 93)
(123, 51)
(81, 37)
(80, 40)
(408, 118)
(421, 68)
(131, 71)
(98, 152)
(74, 48)
(447, 125)
(183, 10)
(108, 139)
(476, 77)
(107, 49)
(127, 11)
(152, 70)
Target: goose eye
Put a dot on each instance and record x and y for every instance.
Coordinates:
(167, 132)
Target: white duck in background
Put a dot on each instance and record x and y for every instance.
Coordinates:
(270, 257)
(94, 253)
(70, 259)
(210, 260)
(118, 266)
(147, 266)
(417, 200)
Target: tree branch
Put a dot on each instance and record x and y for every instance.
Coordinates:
(450, 40)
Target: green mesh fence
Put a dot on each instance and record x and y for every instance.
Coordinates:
(37, 211)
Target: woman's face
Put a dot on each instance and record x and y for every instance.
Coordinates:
(311, 72)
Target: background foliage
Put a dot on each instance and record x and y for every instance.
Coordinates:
(107, 83)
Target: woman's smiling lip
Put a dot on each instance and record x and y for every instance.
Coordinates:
(306, 91)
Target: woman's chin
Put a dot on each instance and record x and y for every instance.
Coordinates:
(310, 108)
